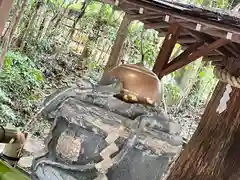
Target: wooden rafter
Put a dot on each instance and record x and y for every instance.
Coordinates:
(167, 48)
(210, 31)
(184, 54)
(235, 48)
(214, 53)
(163, 32)
(204, 26)
(156, 26)
(214, 58)
(142, 17)
(195, 27)
(188, 57)
(183, 40)
(207, 41)
(204, 22)
(201, 28)
(194, 23)
(230, 49)
(197, 36)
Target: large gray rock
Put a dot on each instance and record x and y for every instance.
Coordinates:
(82, 120)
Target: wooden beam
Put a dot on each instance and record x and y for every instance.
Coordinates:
(217, 63)
(163, 32)
(184, 55)
(214, 53)
(142, 17)
(187, 40)
(167, 48)
(232, 64)
(214, 58)
(202, 37)
(172, 20)
(213, 32)
(156, 25)
(151, 6)
(231, 50)
(183, 61)
(207, 49)
(222, 30)
(235, 47)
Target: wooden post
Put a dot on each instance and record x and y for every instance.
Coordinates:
(5, 6)
(117, 47)
(213, 151)
(167, 48)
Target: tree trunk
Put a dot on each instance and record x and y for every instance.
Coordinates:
(43, 30)
(5, 7)
(78, 18)
(41, 27)
(30, 25)
(116, 49)
(61, 15)
(93, 36)
(14, 24)
(39, 23)
(213, 151)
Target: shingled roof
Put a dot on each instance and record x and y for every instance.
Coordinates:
(198, 23)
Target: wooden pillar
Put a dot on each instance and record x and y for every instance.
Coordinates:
(113, 60)
(5, 6)
(213, 153)
(167, 48)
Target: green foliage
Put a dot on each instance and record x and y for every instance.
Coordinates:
(4, 98)
(111, 33)
(203, 87)
(18, 81)
(19, 75)
(207, 80)
(36, 47)
(149, 42)
(6, 113)
(173, 90)
(223, 4)
(72, 4)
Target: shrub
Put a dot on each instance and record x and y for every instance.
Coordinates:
(19, 81)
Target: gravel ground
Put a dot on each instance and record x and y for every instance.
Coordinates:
(188, 120)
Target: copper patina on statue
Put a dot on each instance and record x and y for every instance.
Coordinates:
(138, 84)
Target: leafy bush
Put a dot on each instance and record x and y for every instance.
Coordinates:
(35, 47)
(6, 113)
(19, 80)
(173, 92)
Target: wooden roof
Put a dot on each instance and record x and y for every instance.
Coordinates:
(197, 24)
